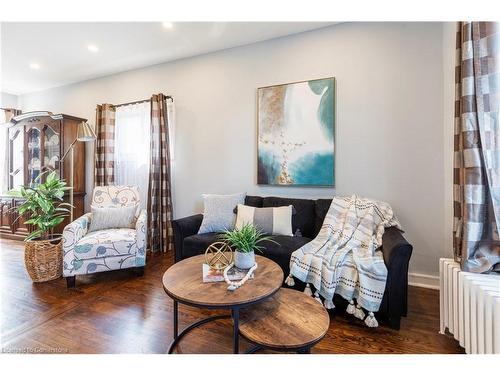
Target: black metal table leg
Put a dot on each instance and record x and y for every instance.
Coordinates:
(235, 313)
(176, 340)
(306, 350)
(254, 349)
(176, 319)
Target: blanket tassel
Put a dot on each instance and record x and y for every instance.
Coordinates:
(371, 321)
(329, 304)
(351, 308)
(359, 313)
(316, 297)
(289, 280)
(308, 291)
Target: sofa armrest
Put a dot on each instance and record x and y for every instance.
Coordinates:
(185, 227)
(141, 238)
(397, 252)
(395, 248)
(72, 233)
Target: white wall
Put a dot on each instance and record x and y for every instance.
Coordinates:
(8, 100)
(390, 139)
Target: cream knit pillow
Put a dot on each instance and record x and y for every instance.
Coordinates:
(271, 220)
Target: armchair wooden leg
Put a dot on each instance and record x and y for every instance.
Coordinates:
(71, 281)
(139, 271)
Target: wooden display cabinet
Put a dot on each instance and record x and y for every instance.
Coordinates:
(37, 141)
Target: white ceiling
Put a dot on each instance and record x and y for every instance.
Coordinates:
(60, 49)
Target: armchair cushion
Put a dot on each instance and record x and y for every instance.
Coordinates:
(106, 243)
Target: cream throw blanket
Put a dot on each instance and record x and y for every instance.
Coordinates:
(343, 258)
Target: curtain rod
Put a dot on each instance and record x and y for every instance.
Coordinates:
(139, 101)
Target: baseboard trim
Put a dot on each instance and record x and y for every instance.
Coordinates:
(423, 280)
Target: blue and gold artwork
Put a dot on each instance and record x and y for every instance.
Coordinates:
(296, 133)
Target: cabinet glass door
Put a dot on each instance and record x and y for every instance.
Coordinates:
(16, 172)
(51, 150)
(34, 156)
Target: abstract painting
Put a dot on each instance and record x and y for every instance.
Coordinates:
(296, 133)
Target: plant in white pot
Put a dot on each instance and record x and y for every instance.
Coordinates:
(45, 209)
(245, 241)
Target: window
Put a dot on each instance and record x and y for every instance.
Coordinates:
(132, 147)
(132, 144)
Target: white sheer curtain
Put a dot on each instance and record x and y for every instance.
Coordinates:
(171, 127)
(132, 147)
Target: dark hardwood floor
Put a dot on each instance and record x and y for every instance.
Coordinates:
(118, 312)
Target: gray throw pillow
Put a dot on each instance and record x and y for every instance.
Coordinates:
(218, 213)
(112, 217)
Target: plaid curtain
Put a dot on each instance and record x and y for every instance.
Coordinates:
(104, 169)
(160, 235)
(477, 147)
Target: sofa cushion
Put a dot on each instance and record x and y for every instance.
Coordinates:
(303, 219)
(197, 244)
(106, 243)
(281, 252)
(321, 208)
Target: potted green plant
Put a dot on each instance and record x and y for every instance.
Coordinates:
(45, 209)
(245, 241)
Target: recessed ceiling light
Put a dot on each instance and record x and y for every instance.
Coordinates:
(167, 25)
(92, 48)
(34, 66)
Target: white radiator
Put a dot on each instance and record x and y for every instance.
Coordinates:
(469, 306)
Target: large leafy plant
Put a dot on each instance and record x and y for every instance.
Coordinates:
(43, 205)
(246, 239)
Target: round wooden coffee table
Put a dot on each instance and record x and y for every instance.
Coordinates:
(183, 282)
(289, 321)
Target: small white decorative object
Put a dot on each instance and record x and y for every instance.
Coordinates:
(359, 313)
(244, 260)
(351, 308)
(289, 280)
(316, 297)
(308, 291)
(233, 285)
(329, 304)
(371, 321)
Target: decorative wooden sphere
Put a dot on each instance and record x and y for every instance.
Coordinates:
(219, 255)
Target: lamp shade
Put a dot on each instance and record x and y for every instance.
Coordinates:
(85, 132)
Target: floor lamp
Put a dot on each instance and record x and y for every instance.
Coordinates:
(84, 134)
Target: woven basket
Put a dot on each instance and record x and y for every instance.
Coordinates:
(43, 259)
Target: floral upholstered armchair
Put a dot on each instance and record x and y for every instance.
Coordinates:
(109, 249)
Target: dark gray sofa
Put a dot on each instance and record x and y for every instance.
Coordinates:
(307, 219)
